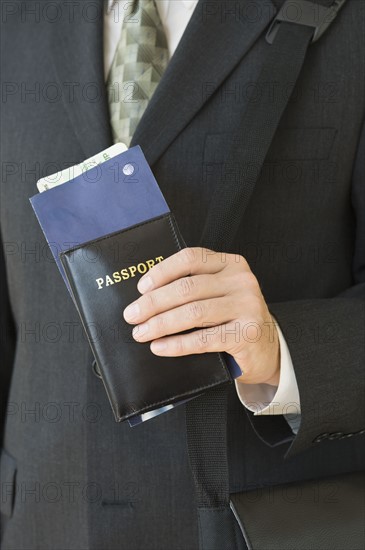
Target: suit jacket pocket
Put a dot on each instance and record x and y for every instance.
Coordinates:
(8, 477)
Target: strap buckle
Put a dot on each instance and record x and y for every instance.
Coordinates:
(303, 12)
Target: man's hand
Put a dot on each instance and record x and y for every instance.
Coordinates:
(216, 294)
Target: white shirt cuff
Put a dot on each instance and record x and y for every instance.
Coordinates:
(263, 399)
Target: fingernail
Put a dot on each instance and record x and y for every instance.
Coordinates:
(131, 312)
(140, 330)
(158, 346)
(145, 284)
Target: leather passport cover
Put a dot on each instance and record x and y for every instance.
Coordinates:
(319, 514)
(103, 276)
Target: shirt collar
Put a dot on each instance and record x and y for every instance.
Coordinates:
(189, 4)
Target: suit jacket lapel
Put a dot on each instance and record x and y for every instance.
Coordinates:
(218, 35)
(77, 49)
(214, 42)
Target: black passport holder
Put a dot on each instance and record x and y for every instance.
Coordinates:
(103, 276)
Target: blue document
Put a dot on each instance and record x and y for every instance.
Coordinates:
(114, 195)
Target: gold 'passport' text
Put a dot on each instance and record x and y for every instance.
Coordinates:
(127, 273)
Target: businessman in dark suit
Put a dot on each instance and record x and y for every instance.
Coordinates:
(71, 477)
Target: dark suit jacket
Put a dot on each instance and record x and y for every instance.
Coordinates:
(71, 477)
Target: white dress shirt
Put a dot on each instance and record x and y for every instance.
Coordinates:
(261, 399)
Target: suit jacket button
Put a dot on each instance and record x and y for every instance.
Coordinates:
(95, 368)
(321, 437)
(335, 435)
(346, 436)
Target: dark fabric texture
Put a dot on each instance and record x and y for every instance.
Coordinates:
(7, 340)
(8, 477)
(83, 481)
(219, 530)
(206, 419)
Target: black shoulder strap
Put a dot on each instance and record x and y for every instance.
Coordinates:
(297, 24)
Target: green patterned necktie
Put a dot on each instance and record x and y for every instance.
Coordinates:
(138, 65)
